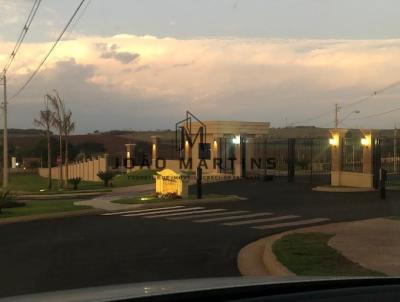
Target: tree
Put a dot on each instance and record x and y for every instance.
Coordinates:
(45, 121)
(106, 177)
(58, 123)
(68, 128)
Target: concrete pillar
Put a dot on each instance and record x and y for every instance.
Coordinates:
(130, 156)
(335, 142)
(238, 156)
(215, 154)
(367, 153)
(155, 141)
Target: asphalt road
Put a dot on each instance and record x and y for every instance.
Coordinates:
(102, 250)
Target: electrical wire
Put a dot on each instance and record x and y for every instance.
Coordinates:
(50, 51)
(22, 35)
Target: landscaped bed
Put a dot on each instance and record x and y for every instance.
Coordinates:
(308, 254)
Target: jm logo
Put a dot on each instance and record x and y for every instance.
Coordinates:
(185, 136)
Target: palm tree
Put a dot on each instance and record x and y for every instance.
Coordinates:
(58, 123)
(45, 121)
(68, 128)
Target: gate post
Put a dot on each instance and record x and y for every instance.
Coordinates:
(291, 159)
(155, 141)
(376, 161)
(336, 143)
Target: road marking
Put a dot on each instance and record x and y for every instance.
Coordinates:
(301, 222)
(209, 215)
(140, 211)
(163, 211)
(260, 220)
(234, 217)
(185, 213)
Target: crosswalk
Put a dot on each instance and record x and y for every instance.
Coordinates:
(223, 217)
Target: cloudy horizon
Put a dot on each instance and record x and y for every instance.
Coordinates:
(115, 77)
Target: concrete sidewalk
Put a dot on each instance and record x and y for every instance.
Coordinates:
(372, 243)
(103, 202)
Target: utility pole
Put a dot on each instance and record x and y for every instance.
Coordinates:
(395, 149)
(337, 108)
(5, 135)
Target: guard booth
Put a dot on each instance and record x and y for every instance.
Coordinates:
(355, 159)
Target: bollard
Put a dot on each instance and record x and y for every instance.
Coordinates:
(383, 176)
(198, 183)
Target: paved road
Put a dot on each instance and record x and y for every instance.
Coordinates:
(195, 241)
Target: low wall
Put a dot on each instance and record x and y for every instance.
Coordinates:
(351, 179)
(87, 170)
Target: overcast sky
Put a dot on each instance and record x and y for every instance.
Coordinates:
(140, 64)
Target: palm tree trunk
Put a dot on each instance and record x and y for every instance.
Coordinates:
(66, 161)
(49, 159)
(61, 164)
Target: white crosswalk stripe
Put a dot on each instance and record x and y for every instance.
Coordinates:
(254, 221)
(208, 215)
(234, 217)
(184, 213)
(141, 211)
(225, 217)
(160, 211)
(288, 224)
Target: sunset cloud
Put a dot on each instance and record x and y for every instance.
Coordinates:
(253, 78)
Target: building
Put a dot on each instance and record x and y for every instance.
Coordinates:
(218, 147)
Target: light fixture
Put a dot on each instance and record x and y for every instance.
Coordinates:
(366, 141)
(236, 140)
(334, 141)
(215, 144)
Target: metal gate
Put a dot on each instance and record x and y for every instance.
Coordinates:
(306, 160)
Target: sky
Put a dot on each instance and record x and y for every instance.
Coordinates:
(140, 64)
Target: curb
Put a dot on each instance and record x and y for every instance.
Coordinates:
(333, 189)
(258, 259)
(29, 218)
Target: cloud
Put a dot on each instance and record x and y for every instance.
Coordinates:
(241, 79)
(112, 52)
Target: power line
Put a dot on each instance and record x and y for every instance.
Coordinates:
(374, 115)
(23, 33)
(311, 118)
(359, 101)
(50, 51)
(373, 94)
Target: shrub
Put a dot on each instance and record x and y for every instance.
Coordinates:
(106, 177)
(75, 182)
(7, 202)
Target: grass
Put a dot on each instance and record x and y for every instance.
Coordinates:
(308, 254)
(152, 198)
(139, 177)
(35, 183)
(42, 207)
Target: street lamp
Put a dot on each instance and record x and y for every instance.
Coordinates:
(348, 115)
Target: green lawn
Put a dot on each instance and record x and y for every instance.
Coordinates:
(308, 254)
(152, 198)
(42, 207)
(138, 177)
(35, 183)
